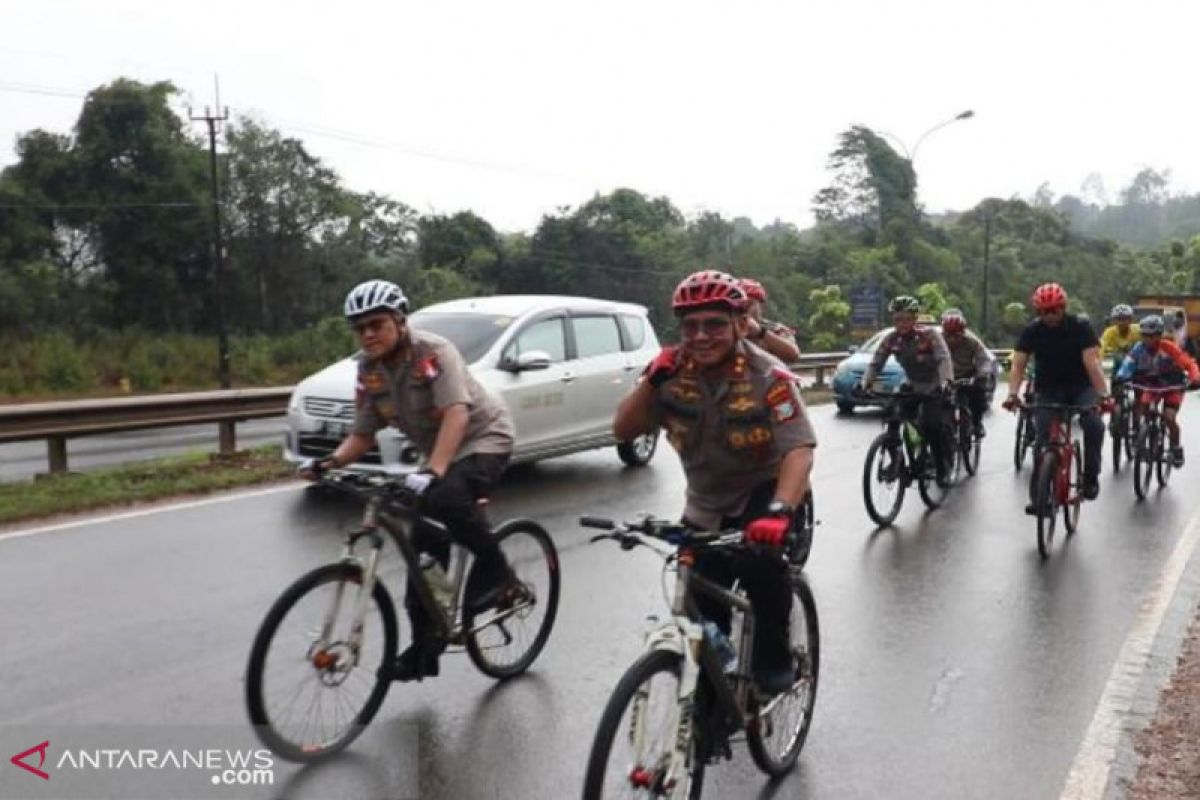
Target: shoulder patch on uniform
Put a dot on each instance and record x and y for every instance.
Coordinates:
(779, 392)
(428, 368)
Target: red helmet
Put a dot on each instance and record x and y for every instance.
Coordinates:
(1049, 296)
(754, 290)
(953, 321)
(709, 288)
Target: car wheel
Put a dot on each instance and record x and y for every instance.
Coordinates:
(639, 451)
(844, 407)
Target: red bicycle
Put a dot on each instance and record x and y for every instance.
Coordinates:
(1057, 480)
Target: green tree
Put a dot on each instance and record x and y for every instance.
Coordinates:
(829, 318)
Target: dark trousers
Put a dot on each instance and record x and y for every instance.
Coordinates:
(931, 419)
(976, 402)
(1090, 422)
(765, 579)
(454, 501)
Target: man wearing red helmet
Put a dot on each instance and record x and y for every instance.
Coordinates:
(776, 338)
(1068, 371)
(734, 414)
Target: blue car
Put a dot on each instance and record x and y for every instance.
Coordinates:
(850, 371)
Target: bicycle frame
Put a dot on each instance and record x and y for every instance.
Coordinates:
(1060, 438)
(446, 620)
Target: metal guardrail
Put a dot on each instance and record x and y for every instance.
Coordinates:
(61, 420)
(58, 421)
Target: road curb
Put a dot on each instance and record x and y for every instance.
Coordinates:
(1160, 668)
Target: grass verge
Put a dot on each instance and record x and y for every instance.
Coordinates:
(193, 474)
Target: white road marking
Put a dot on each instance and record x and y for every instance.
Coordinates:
(143, 512)
(1093, 764)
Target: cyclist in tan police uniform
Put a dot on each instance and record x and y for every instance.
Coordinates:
(419, 382)
(736, 418)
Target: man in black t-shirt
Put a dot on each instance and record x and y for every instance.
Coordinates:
(1068, 372)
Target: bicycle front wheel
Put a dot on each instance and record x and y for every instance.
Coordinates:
(884, 480)
(927, 486)
(776, 734)
(1144, 456)
(1163, 463)
(968, 443)
(1045, 501)
(503, 641)
(631, 754)
(311, 694)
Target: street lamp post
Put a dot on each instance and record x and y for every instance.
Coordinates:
(911, 156)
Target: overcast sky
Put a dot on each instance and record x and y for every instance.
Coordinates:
(515, 108)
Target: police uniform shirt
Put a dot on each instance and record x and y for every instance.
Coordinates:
(413, 389)
(921, 352)
(969, 355)
(732, 429)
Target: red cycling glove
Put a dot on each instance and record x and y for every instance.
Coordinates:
(768, 530)
(664, 365)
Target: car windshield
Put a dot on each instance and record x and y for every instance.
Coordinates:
(472, 333)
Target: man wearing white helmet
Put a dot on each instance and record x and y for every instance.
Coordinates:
(419, 382)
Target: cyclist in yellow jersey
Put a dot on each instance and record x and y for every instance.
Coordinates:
(1120, 337)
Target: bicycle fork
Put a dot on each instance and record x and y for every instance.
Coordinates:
(321, 656)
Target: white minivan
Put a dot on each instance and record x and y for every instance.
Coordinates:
(560, 363)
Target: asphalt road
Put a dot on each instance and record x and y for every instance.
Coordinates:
(955, 662)
(24, 460)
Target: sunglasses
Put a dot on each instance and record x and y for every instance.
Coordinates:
(712, 326)
(372, 325)
(1049, 312)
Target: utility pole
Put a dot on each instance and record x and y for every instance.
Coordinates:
(227, 439)
(987, 244)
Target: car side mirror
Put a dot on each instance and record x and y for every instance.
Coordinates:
(852, 348)
(533, 360)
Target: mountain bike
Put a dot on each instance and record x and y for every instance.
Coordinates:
(967, 443)
(320, 664)
(900, 457)
(1026, 432)
(1152, 453)
(678, 708)
(1057, 480)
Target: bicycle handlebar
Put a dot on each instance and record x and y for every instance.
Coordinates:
(631, 534)
(368, 486)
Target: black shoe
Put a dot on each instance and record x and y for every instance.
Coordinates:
(1176, 457)
(943, 479)
(775, 680)
(419, 661)
(979, 431)
(497, 590)
(1091, 487)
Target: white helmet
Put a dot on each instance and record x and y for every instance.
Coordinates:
(375, 295)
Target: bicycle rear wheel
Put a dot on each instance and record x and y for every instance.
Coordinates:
(1045, 501)
(504, 641)
(1143, 460)
(1071, 495)
(884, 480)
(932, 494)
(1024, 438)
(631, 754)
(776, 735)
(1117, 431)
(310, 696)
